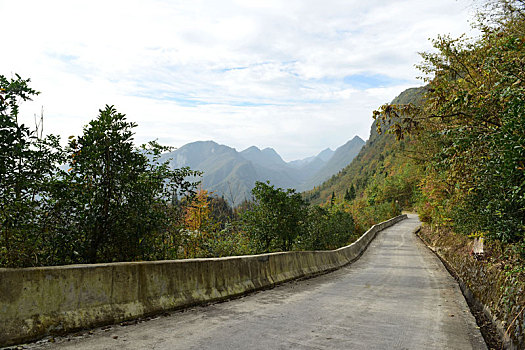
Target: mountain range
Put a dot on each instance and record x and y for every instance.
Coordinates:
(377, 158)
(232, 174)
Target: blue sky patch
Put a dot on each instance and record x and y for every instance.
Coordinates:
(63, 57)
(367, 81)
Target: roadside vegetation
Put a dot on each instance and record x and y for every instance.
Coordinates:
(454, 149)
(101, 199)
(466, 142)
(469, 132)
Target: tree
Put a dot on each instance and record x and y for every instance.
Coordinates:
(27, 170)
(117, 199)
(198, 212)
(326, 229)
(471, 127)
(350, 193)
(341, 228)
(276, 219)
(221, 211)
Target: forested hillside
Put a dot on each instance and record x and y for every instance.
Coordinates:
(378, 161)
(454, 149)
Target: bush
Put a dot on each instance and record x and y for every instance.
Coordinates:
(276, 218)
(326, 229)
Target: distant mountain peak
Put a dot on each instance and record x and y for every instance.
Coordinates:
(335, 161)
(326, 154)
(272, 153)
(233, 174)
(207, 142)
(355, 141)
(251, 149)
(269, 150)
(267, 156)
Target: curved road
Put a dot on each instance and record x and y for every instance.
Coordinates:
(397, 295)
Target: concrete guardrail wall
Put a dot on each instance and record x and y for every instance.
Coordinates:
(38, 301)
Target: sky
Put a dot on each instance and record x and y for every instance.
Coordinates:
(295, 75)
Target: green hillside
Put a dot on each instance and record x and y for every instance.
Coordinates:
(380, 160)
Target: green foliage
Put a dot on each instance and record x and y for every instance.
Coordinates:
(228, 240)
(276, 219)
(27, 173)
(350, 193)
(326, 229)
(281, 220)
(116, 197)
(400, 184)
(471, 127)
(114, 202)
(366, 214)
(210, 229)
(221, 211)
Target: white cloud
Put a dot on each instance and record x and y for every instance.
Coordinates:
(268, 73)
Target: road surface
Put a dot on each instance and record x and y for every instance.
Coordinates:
(397, 295)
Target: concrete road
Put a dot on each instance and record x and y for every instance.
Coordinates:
(397, 295)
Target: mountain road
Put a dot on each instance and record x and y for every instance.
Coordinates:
(398, 295)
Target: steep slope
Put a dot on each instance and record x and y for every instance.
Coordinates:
(340, 158)
(310, 166)
(327, 153)
(323, 157)
(237, 185)
(299, 163)
(370, 160)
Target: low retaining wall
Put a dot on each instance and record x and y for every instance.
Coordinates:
(35, 302)
(484, 283)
